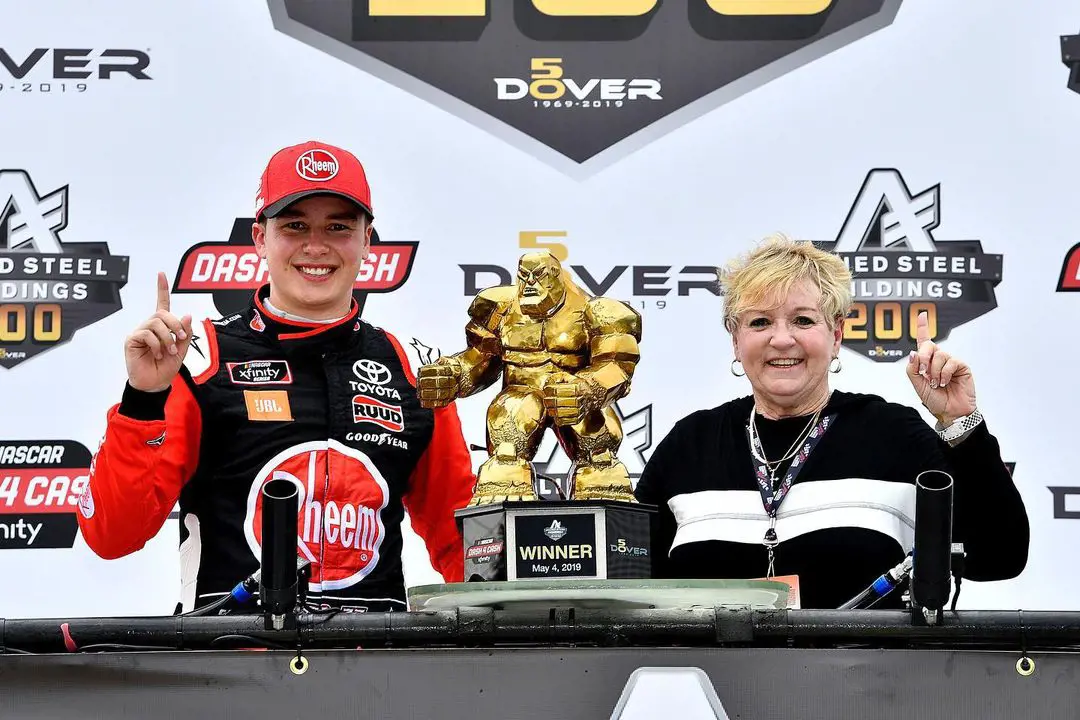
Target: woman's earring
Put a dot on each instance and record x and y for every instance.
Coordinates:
(741, 372)
(835, 366)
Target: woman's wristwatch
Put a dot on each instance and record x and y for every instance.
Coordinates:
(960, 428)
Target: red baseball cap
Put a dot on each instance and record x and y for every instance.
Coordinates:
(312, 168)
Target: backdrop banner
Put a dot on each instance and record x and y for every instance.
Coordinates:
(644, 143)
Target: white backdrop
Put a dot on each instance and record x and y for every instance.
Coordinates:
(968, 94)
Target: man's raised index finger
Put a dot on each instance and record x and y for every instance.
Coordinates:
(162, 292)
(922, 329)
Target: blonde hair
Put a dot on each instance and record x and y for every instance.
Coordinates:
(764, 277)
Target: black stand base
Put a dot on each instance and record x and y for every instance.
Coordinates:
(589, 539)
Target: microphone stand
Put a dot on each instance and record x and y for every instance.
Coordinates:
(284, 577)
(928, 566)
(933, 546)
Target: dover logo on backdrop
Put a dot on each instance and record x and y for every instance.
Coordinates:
(901, 269)
(49, 288)
(575, 80)
(66, 70)
(642, 286)
(232, 271)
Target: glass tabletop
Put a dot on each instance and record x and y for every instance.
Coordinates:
(776, 593)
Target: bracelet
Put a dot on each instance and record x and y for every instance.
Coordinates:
(960, 427)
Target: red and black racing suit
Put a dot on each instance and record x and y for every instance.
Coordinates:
(331, 407)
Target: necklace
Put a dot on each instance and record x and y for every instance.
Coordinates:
(774, 494)
(758, 449)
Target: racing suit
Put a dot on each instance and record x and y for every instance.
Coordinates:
(331, 407)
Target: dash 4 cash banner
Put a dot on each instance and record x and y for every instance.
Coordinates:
(41, 482)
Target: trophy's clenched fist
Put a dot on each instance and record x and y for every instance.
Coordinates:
(568, 399)
(156, 350)
(438, 383)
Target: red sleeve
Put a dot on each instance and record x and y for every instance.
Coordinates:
(138, 472)
(441, 483)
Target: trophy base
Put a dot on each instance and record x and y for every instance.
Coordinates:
(588, 539)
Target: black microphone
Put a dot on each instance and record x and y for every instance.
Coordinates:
(933, 543)
(277, 591)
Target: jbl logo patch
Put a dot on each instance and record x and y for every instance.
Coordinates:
(267, 405)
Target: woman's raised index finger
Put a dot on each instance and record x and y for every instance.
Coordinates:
(922, 329)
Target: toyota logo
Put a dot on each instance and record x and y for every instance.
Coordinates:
(370, 371)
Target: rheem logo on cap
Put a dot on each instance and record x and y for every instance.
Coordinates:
(317, 165)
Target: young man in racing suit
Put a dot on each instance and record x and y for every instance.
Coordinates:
(296, 386)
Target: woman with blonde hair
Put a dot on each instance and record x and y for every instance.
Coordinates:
(800, 479)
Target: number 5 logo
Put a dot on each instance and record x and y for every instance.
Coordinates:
(531, 240)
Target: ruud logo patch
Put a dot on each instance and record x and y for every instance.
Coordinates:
(376, 412)
(580, 83)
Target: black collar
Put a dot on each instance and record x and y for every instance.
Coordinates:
(297, 334)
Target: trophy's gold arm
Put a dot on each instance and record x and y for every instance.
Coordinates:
(478, 370)
(612, 366)
(615, 330)
(481, 363)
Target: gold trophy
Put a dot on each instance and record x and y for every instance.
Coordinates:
(564, 357)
